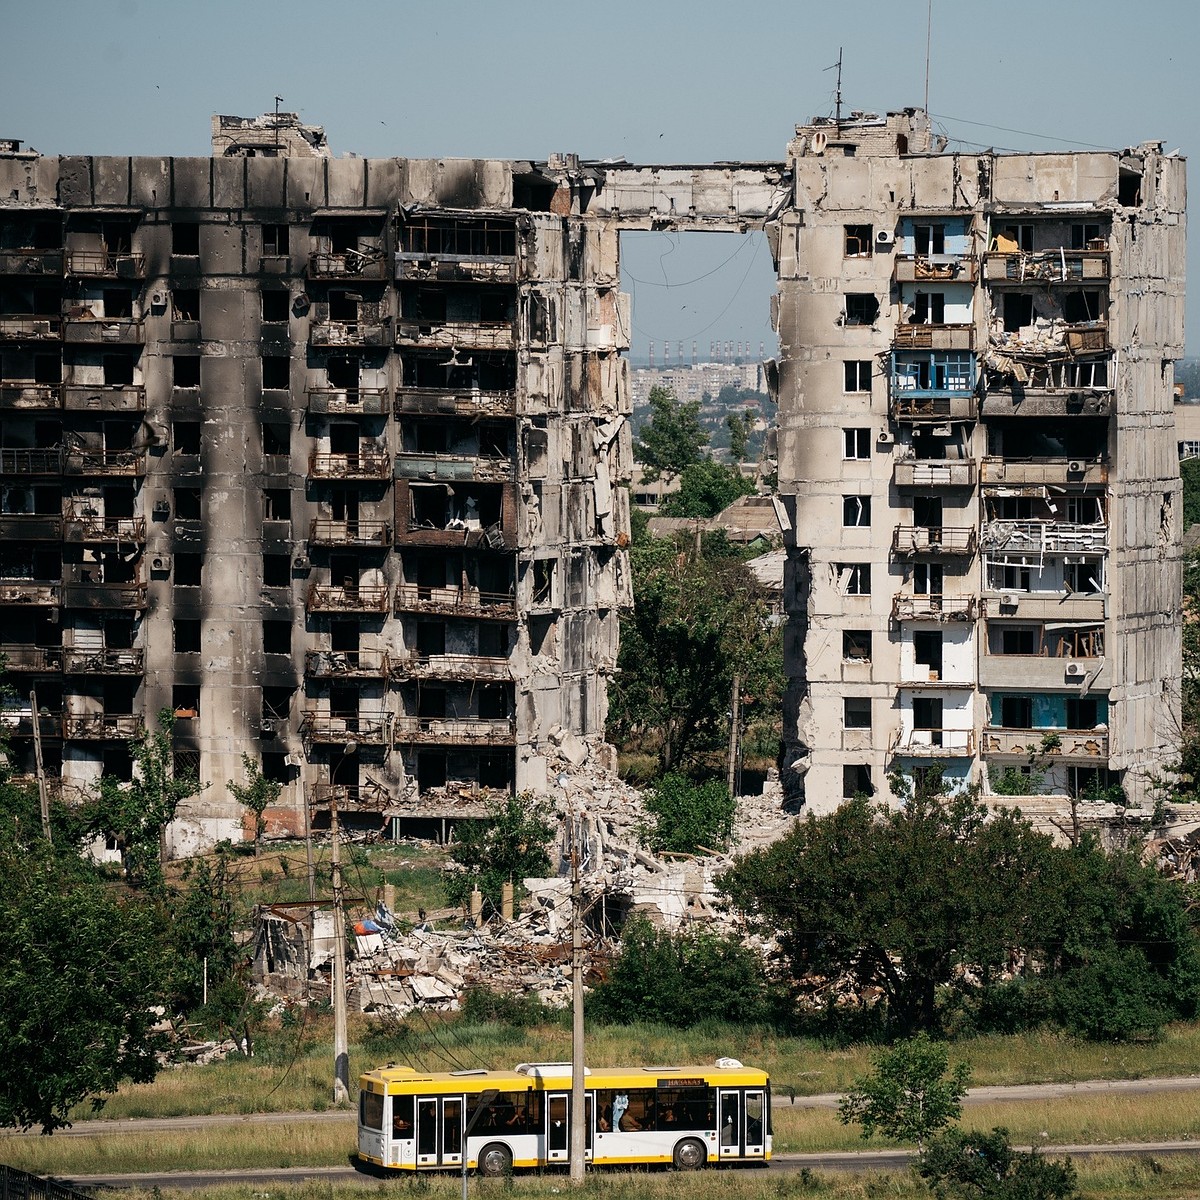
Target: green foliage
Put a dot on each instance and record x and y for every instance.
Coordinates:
(136, 813)
(673, 439)
(80, 967)
(739, 426)
(705, 488)
(257, 794)
(695, 624)
(484, 1006)
(510, 844)
(909, 1095)
(689, 816)
(681, 979)
(1189, 472)
(985, 1166)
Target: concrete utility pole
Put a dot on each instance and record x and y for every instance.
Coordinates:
(43, 797)
(341, 1054)
(735, 719)
(578, 1108)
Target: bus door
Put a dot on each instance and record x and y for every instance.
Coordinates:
(729, 1123)
(756, 1125)
(439, 1131)
(558, 1127)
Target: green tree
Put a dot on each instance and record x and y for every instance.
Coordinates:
(696, 622)
(673, 439)
(510, 844)
(136, 813)
(688, 816)
(681, 979)
(257, 794)
(910, 1095)
(739, 426)
(80, 968)
(984, 1166)
(1189, 473)
(705, 488)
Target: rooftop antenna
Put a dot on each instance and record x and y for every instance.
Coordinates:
(838, 97)
(278, 99)
(928, 31)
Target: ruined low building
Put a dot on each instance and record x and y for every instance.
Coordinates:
(328, 456)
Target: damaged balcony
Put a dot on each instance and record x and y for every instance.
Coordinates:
(78, 661)
(31, 527)
(455, 402)
(30, 593)
(1032, 539)
(104, 595)
(1047, 387)
(934, 268)
(1045, 606)
(936, 608)
(368, 534)
(348, 402)
(346, 664)
(1074, 745)
(451, 667)
(80, 326)
(367, 464)
(367, 263)
(454, 249)
(102, 727)
(455, 731)
(371, 728)
(920, 541)
(30, 327)
(98, 530)
(83, 397)
(456, 602)
(21, 395)
(932, 385)
(32, 660)
(28, 260)
(330, 334)
(464, 514)
(933, 743)
(19, 724)
(1047, 472)
(1042, 672)
(934, 337)
(481, 468)
(933, 473)
(21, 461)
(455, 335)
(348, 597)
(1047, 266)
(350, 798)
(128, 464)
(105, 264)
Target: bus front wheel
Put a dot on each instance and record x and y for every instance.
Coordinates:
(690, 1154)
(495, 1161)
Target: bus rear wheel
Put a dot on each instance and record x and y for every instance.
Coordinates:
(690, 1155)
(495, 1161)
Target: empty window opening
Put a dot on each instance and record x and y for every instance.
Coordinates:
(856, 781)
(186, 700)
(185, 370)
(929, 308)
(541, 635)
(857, 376)
(927, 716)
(1018, 311)
(187, 503)
(855, 578)
(276, 240)
(496, 769)
(277, 504)
(856, 443)
(1016, 712)
(493, 639)
(1080, 307)
(431, 638)
(543, 580)
(464, 237)
(859, 241)
(494, 702)
(927, 579)
(277, 636)
(276, 438)
(275, 767)
(344, 636)
(431, 769)
(1087, 235)
(185, 238)
(185, 436)
(185, 304)
(856, 712)
(185, 764)
(856, 645)
(275, 306)
(118, 371)
(276, 371)
(856, 511)
(927, 512)
(862, 308)
(929, 239)
(927, 651)
(187, 635)
(277, 703)
(118, 303)
(277, 570)
(188, 568)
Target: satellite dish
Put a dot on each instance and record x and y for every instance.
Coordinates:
(819, 142)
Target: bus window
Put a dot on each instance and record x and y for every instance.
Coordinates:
(508, 1113)
(370, 1110)
(427, 1127)
(730, 1125)
(691, 1108)
(402, 1118)
(452, 1125)
(625, 1111)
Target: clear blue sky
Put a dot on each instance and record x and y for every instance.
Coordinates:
(672, 81)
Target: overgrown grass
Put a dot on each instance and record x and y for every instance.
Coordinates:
(292, 1068)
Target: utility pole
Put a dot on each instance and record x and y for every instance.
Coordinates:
(43, 797)
(734, 721)
(341, 1055)
(578, 1106)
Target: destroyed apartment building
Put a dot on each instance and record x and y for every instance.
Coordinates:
(329, 457)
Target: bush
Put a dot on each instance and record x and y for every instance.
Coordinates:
(682, 979)
(689, 816)
(485, 1006)
(985, 1165)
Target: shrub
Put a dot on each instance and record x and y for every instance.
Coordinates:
(689, 816)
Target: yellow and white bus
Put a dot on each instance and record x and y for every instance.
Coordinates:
(687, 1116)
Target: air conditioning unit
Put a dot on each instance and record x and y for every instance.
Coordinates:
(160, 564)
(267, 728)
(159, 298)
(886, 438)
(1076, 670)
(162, 510)
(301, 563)
(1075, 467)
(1008, 599)
(885, 239)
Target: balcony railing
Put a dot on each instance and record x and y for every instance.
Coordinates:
(457, 402)
(935, 541)
(343, 402)
(1046, 266)
(123, 463)
(942, 609)
(939, 268)
(105, 264)
(454, 602)
(85, 397)
(110, 530)
(20, 724)
(23, 328)
(933, 473)
(461, 731)
(30, 592)
(351, 798)
(101, 726)
(450, 335)
(325, 532)
(371, 728)
(36, 659)
(30, 462)
(36, 397)
(369, 264)
(366, 464)
(456, 268)
(450, 666)
(112, 331)
(934, 337)
(31, 527)
(346, 664)
(28, 261)
(1052, 606)
(480, 468)
(102, 662)
(323, 597)
(1044, 537)
(934, 743)
(922, 406)
(1077, 745)
(376, 331)
(1048, 472)
(104, 595)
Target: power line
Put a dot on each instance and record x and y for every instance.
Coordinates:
(1048, 137)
